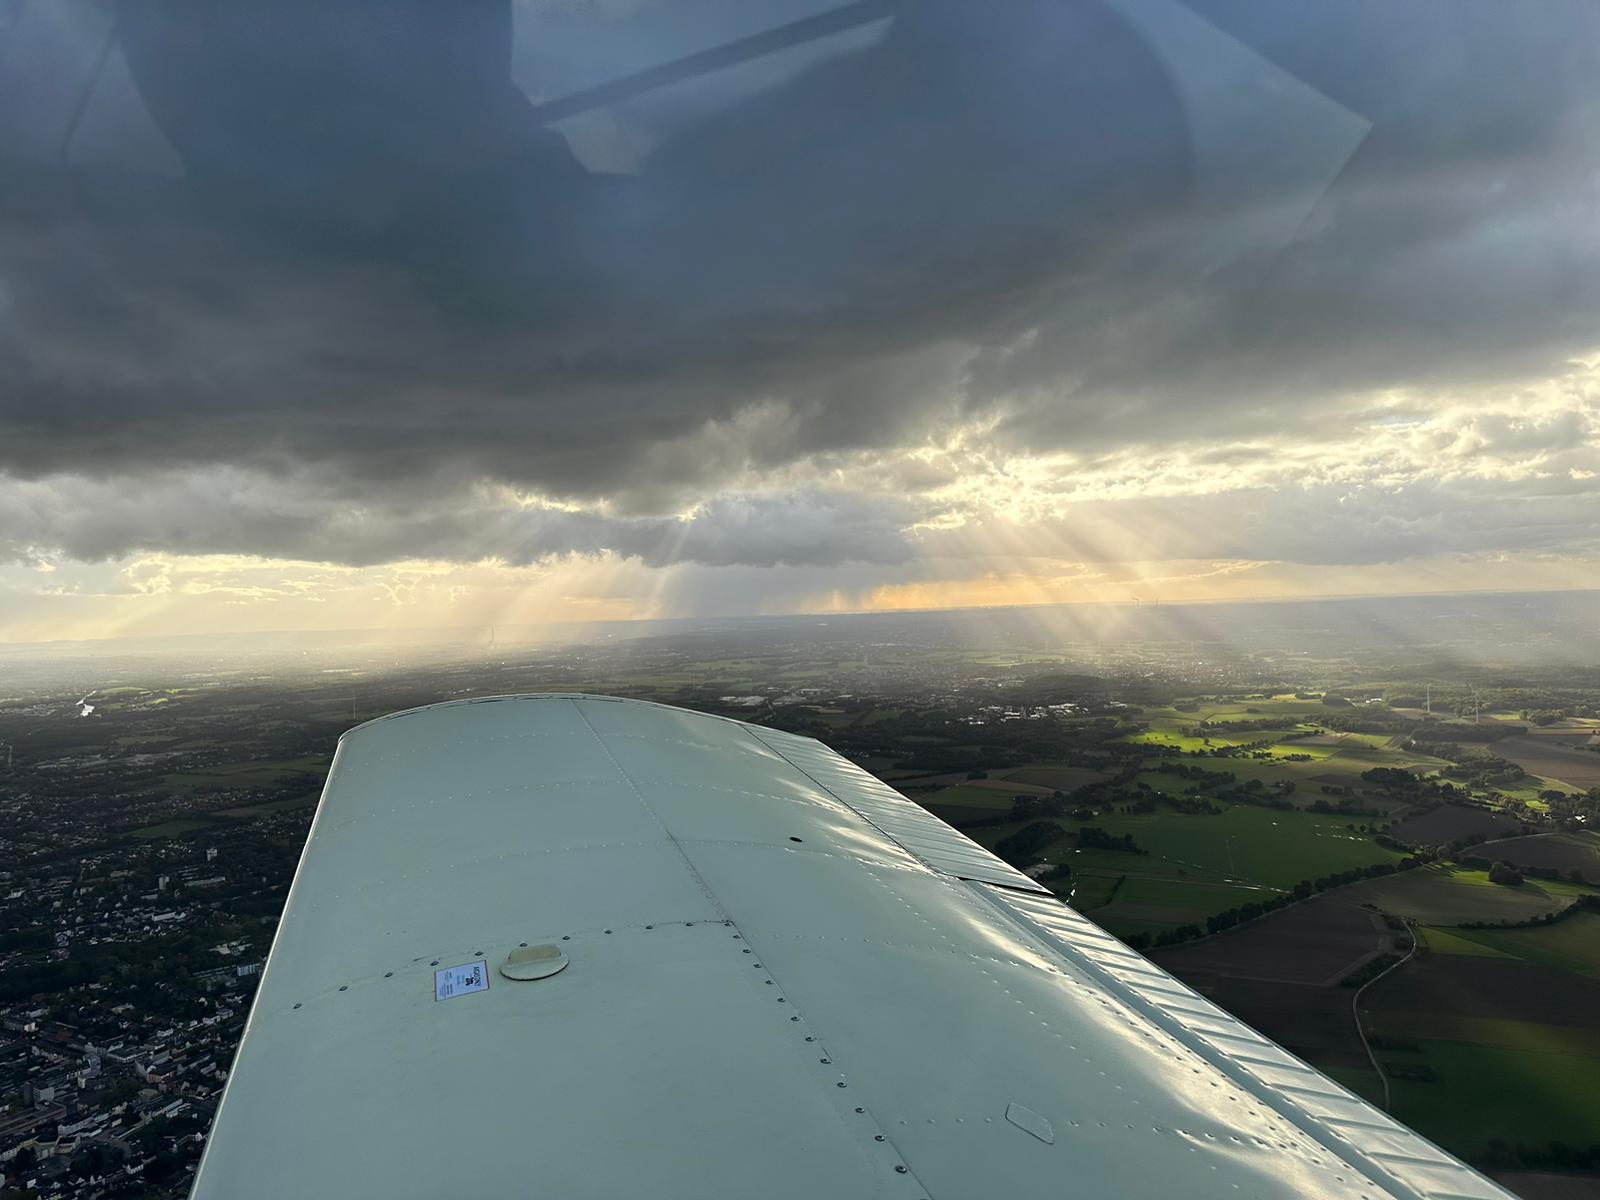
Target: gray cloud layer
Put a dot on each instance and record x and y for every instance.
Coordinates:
(228, 511)
(380, 286)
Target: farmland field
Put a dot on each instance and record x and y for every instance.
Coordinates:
(1281, 974)
(1564, 852)
(1465, 1108)
(1571, 944)
(1195, 865)
(967, 795)
(1449, 822)
(1482, 986)
(1264, 846)
(1150, 903)
(1443, 894)
(1063, 779)
(1505, 1033)
(1010, 787)
(245, 774)
(1551, 758)
(249, 811)
(1320, 941)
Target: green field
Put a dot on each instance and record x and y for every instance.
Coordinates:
(1465, 1107)
(1263, 846)
(1160, 734)
(1505, 1029)
(1054, 776)
(246, 774)
(1145, 904)
(251, 811)
(966, 796)
(1197, 865)
(1570, 944)
(1297, 749)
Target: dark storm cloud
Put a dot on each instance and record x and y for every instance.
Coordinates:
(1458, 246)
(363, 270)
(231, 512)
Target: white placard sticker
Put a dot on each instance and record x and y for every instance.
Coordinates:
(451, 982)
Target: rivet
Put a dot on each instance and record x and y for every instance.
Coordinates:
(861, 1110)
(477, 953)
(688, 924)
(791, 1018)
(297, 1006)
(825, 1060)
(608, 931)
(746, 950)
(900, 1169)
(566, 937)
(434, 963)
(809, 1038)
(877, 1137)
(388, 974)
(794, 839)
(647, 927)
(344, 987)
(525, 943)
(839, 1084)
(781, 1000)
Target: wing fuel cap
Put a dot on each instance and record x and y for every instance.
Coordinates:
(534, 962)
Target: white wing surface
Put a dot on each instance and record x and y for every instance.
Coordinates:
(748, 968)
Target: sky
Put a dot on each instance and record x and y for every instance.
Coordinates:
(362, 315)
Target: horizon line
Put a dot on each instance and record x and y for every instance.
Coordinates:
(821, 614)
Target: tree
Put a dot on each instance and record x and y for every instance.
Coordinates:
(1504, 873)
(1022, 848)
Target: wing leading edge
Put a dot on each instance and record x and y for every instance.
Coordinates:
(776, 976)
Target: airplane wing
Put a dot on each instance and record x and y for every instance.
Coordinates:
(572, 946)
